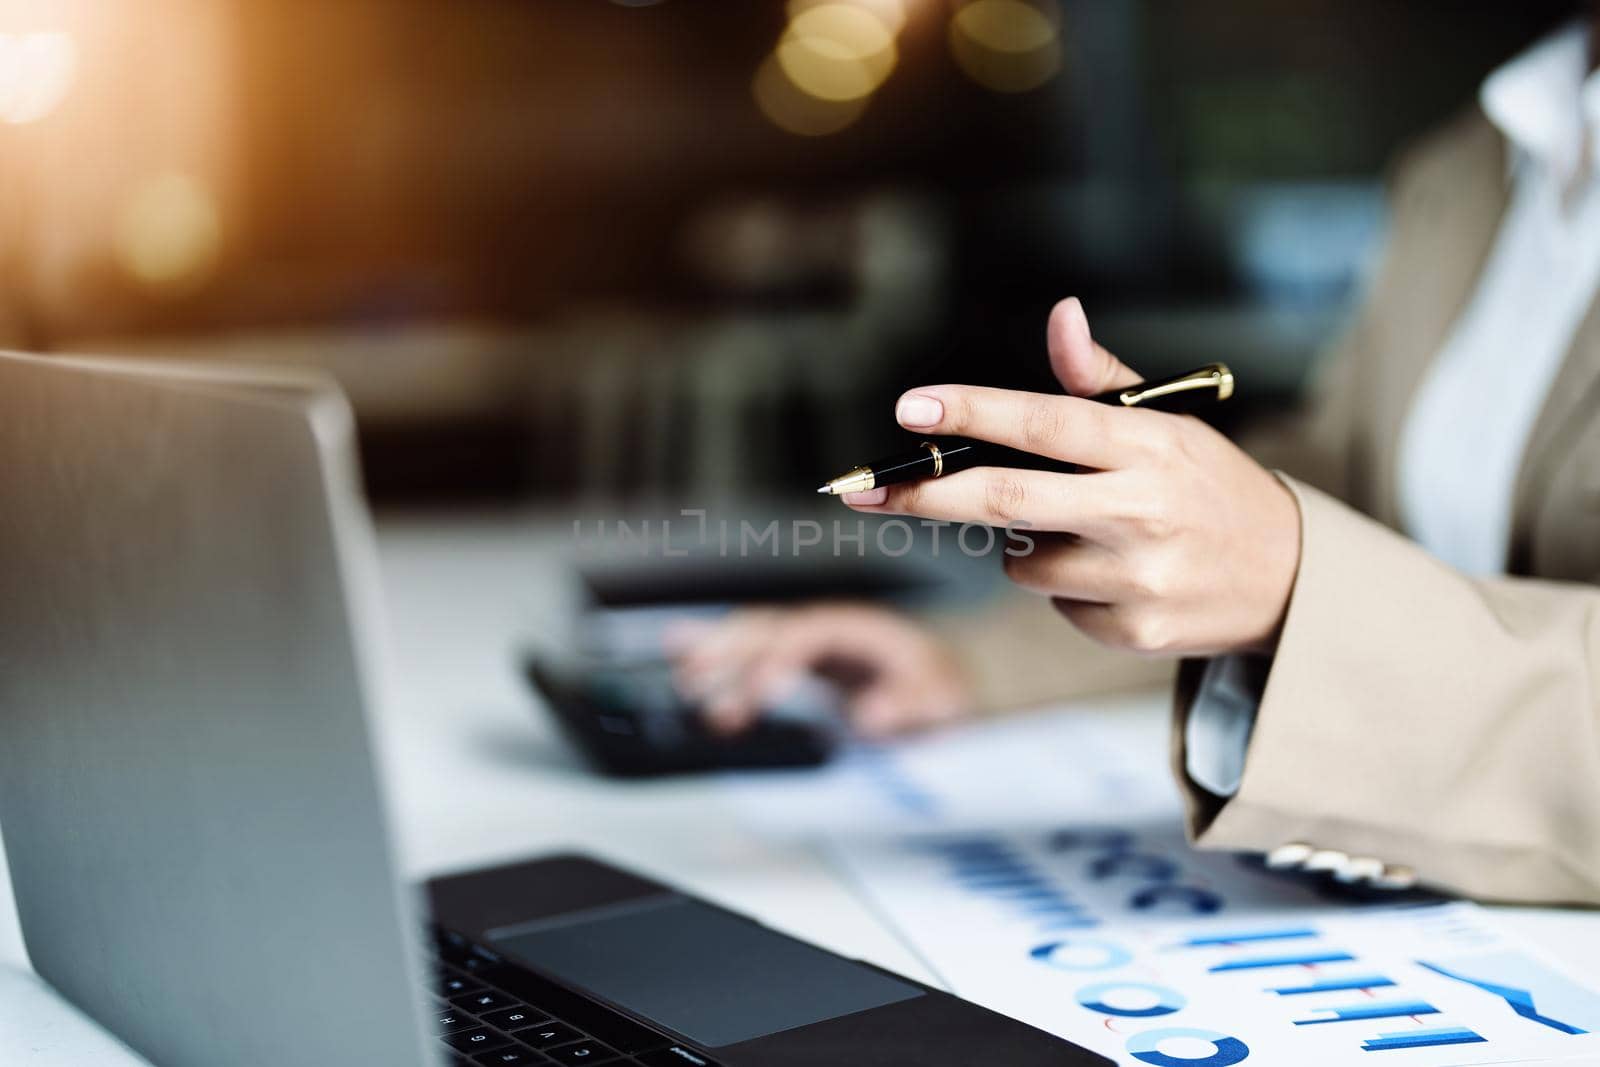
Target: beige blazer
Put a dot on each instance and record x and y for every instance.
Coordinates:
(1412, 715)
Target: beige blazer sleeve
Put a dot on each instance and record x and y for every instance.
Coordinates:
(1422, 718)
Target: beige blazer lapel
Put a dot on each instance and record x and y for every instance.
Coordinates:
(1572, 405)
(1447, 211)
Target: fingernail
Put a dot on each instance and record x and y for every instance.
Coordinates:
(1080, 321)
(916, 411)
(870, 497)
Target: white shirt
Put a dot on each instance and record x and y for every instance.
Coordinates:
(1462, 442)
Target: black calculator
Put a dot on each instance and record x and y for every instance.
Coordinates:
(630, 721)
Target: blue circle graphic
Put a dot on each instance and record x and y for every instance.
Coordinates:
(1104, 955)
(1187, 898)
(1168, 1001)
(1228, 1050)
(1136, 864)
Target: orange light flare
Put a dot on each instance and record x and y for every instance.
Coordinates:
(37, 70)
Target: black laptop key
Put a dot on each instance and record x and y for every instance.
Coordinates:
(481, 1001)
(581, 1053)
(548, 1035)
(610, 1028)
(448, 1022)
(677, 1056)
(480, 1039)
(513, 1055)
(518, 1018)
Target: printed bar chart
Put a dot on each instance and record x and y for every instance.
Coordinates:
(1156, 983)
(1443, 1035)
(1335, 985)
(1261, 962)
(1240, 937)
(1388, 1009)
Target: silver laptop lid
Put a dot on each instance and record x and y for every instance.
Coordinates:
(192, 816)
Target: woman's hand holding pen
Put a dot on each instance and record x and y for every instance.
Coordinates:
(1173, 542)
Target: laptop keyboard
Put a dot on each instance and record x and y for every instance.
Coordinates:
(491, 1011)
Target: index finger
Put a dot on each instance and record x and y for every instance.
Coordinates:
(1066, 428)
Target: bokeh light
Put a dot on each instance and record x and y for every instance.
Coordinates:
(36, 73)
(836, 52)
(169, 232)
(891, 13)
(798, 112)
(1009, 46)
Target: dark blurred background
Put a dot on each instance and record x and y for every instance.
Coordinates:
(644, 250)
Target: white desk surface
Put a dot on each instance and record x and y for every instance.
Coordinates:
(477, 776)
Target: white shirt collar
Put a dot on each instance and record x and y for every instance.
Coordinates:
(1547, 103)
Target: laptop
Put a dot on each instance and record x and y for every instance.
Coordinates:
(193, 817)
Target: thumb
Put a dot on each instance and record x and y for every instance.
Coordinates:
(1081, 366)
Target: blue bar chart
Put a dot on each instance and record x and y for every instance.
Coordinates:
(1303, 959)
(1335, 985)
(1135, 946)
(1386, 1009)
(1442, 1035)
(1238, 937)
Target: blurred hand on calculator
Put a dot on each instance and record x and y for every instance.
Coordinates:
(895, 674)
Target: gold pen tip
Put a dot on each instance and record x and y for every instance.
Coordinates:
(854, 480)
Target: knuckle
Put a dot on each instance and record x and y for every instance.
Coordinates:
(1162, 441)
(1188, 440)
(1151, 514)
(1005, 499)
(906, 498)
(1146, 632)
(1043, 423)
(1151, 579)
(961, 412)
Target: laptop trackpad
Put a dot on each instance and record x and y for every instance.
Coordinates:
(714, 977)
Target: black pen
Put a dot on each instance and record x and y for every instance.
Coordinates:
(934, 459)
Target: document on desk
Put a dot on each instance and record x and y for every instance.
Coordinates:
(1039, 867)
(1121, 938)
(992, 773)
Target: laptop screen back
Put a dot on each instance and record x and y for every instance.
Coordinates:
(191, 814)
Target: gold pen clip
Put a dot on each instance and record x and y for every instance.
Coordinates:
(1212, 376)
